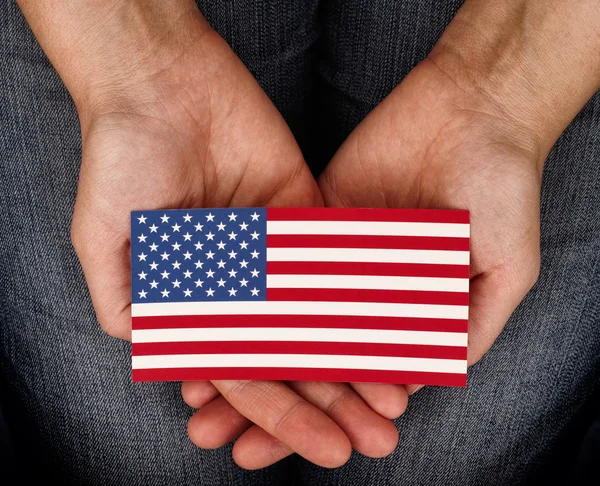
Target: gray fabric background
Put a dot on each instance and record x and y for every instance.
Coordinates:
(66, 386)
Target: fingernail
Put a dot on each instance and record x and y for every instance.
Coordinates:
(412, 389)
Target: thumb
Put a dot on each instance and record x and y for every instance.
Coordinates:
(494, 295)
(104, 256)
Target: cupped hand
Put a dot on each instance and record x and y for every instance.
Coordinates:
(433, 144)
(194, 129)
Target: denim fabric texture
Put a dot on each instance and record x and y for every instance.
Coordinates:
(65, 385)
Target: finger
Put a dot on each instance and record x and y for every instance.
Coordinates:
(387, 400)
(412, 389)
(369, 433)
(216, 424)
(198, 393)
(493, 297)
(282, 413)
(104, 258)
(256, 449)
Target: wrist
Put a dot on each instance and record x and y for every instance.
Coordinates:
(531, 60)
(105, 49)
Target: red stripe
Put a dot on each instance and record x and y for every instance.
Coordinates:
(295, 374)
(293, 321)
(361, 268)
(301, 347)
(369, 214)
(368, 241)
(369, 295)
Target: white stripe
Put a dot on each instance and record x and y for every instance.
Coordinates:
(300, 308)
(375, 282)
(380, 255)
(299, 361)
(327, 335)
(379, 228)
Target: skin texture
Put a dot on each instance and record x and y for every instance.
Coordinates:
(161, 94)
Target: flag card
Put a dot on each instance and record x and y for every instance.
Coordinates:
(330, 294)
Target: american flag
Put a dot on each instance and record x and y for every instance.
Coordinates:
(331, 294)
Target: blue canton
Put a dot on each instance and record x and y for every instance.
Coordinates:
(198, 255)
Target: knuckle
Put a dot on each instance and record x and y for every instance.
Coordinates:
(339, 401)
(284, 418)
(239, 389)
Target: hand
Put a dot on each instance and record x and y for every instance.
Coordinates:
(431, 144)
(192, 128)
(470, 127)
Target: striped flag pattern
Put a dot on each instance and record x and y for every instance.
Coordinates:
(331, 294)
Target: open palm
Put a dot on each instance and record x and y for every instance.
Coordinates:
(430, 144)
(202, 133)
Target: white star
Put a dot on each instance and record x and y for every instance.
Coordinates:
(176, 265)
(221, 245)
(198, 264)
(187, 218)
(187, 255)
(232, 216)
(143, 294)
(232, 292)
(244, 282)
(153, 247)
(176, 283)
(153, 228)
(209, 236)
(176, 246)
(221, 283)
(221, 264)
(254, 254)
(243, 226)
(255, 272)
(165, 256)
(165, 274)
(243, 245)
(164, 237)
(142, 275)
(142, 256)
(255, 216)
(232, 273)
(210, 274)
(176, 227)
(199, 227)
(210, 293)
(154, 266)
(210, 217)
(165, 293)
(199, 246)
(198, 283)
(187, 237)
(232, 235)
(153, 284)
(210, 255)
(142, 219)
(254, 235)
(142, 238)
(221, 226)
(232, 254)
(244, 264)
(164, 218)
(254, 292)
(187, 293)
(187, 274)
